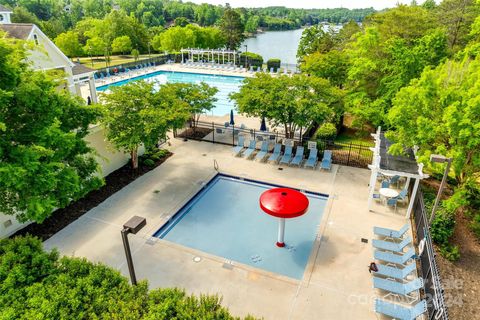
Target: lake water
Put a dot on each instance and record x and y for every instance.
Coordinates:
(275, 44)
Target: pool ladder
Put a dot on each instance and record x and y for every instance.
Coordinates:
(215, 164)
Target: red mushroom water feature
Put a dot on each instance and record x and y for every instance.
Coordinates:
(283, 203)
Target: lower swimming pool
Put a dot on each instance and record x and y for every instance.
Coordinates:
(224, 219)
(224, 84)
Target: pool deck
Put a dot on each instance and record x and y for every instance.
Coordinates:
(336, 283)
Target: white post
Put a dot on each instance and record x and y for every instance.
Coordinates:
(223, 57)
(281, 232)
(93, 90)
(234, 58)
(373, 181)
(412, 198)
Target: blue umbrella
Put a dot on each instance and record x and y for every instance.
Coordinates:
(263, 126)
(232, 122)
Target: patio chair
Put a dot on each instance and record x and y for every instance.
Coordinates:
(326, 164)
(297, 160)
(394, 180)
(287, 156)
(403, 195)
(392, 203)
(391, 246)
(385, 184)
(263, 151)
(398, 288)
(312, 159)
(393, 272)
(240, 145)
(251, 148)
(276, 153)
(390, 233)
(327, 154)
(400, 312)
(390, 257)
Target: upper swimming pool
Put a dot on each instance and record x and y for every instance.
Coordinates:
(224, 84)
(225, 219)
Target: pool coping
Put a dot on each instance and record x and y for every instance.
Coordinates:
(313, 252)
(150, 74)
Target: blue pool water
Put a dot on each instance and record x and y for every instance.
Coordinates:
(225, 85)
(225, 219)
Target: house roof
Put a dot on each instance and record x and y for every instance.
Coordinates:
(81, 69)
(406, 163)
(18, 30)
(5, 9)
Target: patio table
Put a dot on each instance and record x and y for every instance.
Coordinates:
(389, 193)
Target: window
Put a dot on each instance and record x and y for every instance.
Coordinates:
(2, 17)
(35, 38)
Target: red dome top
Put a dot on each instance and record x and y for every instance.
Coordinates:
(284, 203)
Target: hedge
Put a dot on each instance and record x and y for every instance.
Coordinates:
(251, 58)
(273, 63)
(35, 284)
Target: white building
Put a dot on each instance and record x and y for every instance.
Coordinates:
(48, 56)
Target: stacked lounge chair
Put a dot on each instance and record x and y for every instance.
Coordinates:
(400, 312)
(395, 276)
(251, 148)
(327, 160)
(312, 159)
(263, 151)
(276, 153)
(240, 145)
(297, 160)
(287, 156)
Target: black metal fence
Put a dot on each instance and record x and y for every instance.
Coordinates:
(349, 154)
(434, 293)
(155, 61)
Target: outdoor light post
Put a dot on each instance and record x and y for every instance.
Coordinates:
(440, 159)
(132, 226)
(246, 50)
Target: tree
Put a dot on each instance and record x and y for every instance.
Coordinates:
(121, 44)
(96, 46)
(252, 24)
(315, 39)
(69, 43)
(291, 102)
(174, 39)
(135, 114)
(332, 66)
(36, 284)
(232, 28)
(440, 113)
(457, 16)
(200, 98)
(44, 161)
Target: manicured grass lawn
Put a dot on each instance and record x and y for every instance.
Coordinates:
(99, 62)
(348, 137)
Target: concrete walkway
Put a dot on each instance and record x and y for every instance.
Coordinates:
(336, 282)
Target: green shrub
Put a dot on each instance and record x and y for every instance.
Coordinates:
(251, 58)
(442, 227)
(35, 284)
(475, 225)
(155, 154)
(450, 252)
(149, 162)
(326, 131)
(273, 63)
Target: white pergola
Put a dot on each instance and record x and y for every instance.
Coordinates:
(219, 54)
(386, 164)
